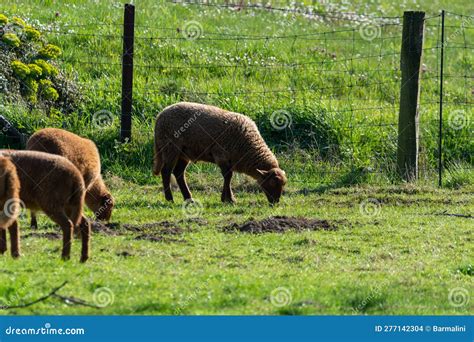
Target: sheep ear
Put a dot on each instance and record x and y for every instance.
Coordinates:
(262, 172)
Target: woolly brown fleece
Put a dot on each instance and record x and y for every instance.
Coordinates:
(189, 132)
(52, 184)
(9, 206)
(84, 155)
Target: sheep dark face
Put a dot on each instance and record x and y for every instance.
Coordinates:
(106, 205)
(272, 182)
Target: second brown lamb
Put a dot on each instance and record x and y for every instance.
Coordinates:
(84, 155)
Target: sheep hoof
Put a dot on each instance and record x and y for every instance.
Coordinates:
(16, 255)
(66, 257)
(84, 259)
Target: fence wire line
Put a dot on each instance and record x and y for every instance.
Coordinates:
(308, 11)
(294, 93)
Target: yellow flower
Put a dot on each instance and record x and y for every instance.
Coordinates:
(20, 69)
(3, 19)
(11, 39)
(18, 21)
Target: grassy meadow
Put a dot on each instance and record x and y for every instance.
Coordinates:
(398, 257)
(393, 248)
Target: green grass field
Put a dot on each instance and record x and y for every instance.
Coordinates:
(395, 248)
(401, 258)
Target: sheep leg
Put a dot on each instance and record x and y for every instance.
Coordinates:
(166, 175)
(166, 171)
(34, 221)
(227, 194)
(85, 229)
(3, 240)
(179, 173)
(14, 239)
(67, 227)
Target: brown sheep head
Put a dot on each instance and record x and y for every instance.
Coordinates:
(104, 205)
(108, 203)
(272, 183)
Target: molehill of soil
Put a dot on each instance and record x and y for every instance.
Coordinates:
(281, 224)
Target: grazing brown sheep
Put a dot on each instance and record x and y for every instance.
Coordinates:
(10, 206)
(187, 132)
(52, 184)
(84, 155)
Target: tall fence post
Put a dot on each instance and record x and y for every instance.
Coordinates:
(410, 63)
(440, 141)
(127, 72)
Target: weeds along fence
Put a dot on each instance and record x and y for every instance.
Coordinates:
(324, 87)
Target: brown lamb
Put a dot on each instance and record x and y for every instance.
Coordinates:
(189, 132)
(84, 155)
(10, 206)
(52, 184)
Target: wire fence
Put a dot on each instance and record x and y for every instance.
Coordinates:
(333, 90)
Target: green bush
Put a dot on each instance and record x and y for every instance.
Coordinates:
(11, 40)
(35, 71)
(50, 51)
(18, 22)
(28, 71)
(20, 69)
(32, 33)
(47, 69)
(3, 19)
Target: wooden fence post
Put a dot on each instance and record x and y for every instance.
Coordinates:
(410, 63)
(127, 72)
(440, 133)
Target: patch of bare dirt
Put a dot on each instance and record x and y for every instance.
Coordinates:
(124, 254)
(158, 238)
(281, 224)
(106, 229)
(159, 228)
(44, 235)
